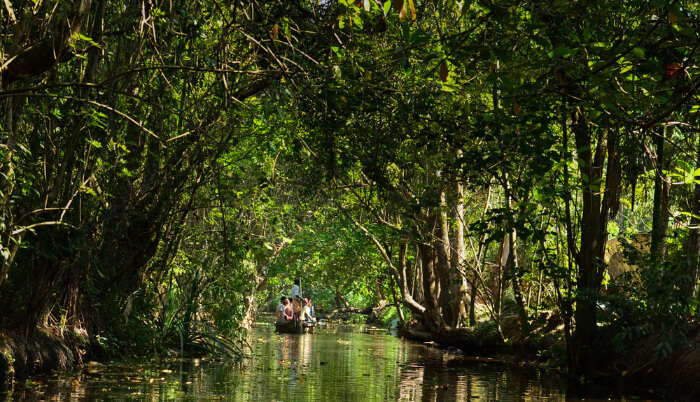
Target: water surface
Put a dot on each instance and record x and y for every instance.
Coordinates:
(334, 364)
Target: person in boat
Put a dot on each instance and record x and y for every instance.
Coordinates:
(286, 314)
(306, 314)
(297, 307)
(288, 311)
(312, 312)
(280, 308)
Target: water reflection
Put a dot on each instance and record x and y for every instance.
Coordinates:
(433, 375)
(335, 364)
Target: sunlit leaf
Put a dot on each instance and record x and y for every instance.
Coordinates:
(412, 8)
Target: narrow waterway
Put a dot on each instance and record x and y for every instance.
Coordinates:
(334, 364)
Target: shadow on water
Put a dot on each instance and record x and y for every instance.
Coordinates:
(332, 364)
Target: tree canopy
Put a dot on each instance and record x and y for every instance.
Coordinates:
(168, 167)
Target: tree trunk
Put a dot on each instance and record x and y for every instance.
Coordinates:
(516, 283)
(472, 304)
(693, 246)
(417, 278)
(406, 294)
(457, 258)
(593, 233)
(511, 265)
(8, 243)
(662, 189)
(431, 317)
(251, 301)
(442, 251)
(41, 54)
(499, 288)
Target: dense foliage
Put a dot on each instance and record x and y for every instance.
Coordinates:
(168, 167)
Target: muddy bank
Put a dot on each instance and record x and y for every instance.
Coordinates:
(43, 350)
(675, 376)
(545, 333)
(679, 372)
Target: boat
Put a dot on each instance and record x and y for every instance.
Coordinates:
(294, 326)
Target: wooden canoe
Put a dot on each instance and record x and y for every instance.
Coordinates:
(294, 327)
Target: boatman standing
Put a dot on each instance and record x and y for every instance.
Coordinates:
(296, 290)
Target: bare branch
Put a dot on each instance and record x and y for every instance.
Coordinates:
(46, 223)
(10, 13)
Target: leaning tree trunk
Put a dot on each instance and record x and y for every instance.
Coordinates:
(251, 301)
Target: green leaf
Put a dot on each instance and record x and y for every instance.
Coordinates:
(562, 51)
(94, 143)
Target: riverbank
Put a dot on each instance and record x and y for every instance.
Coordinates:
(41, 351)
(676, 375)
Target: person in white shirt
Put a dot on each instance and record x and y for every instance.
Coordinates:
(296, 290)
(280, 308)
(312, 312)
(306, 313)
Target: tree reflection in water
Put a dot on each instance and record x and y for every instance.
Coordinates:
(340, 364)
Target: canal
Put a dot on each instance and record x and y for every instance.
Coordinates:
(346, 363)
